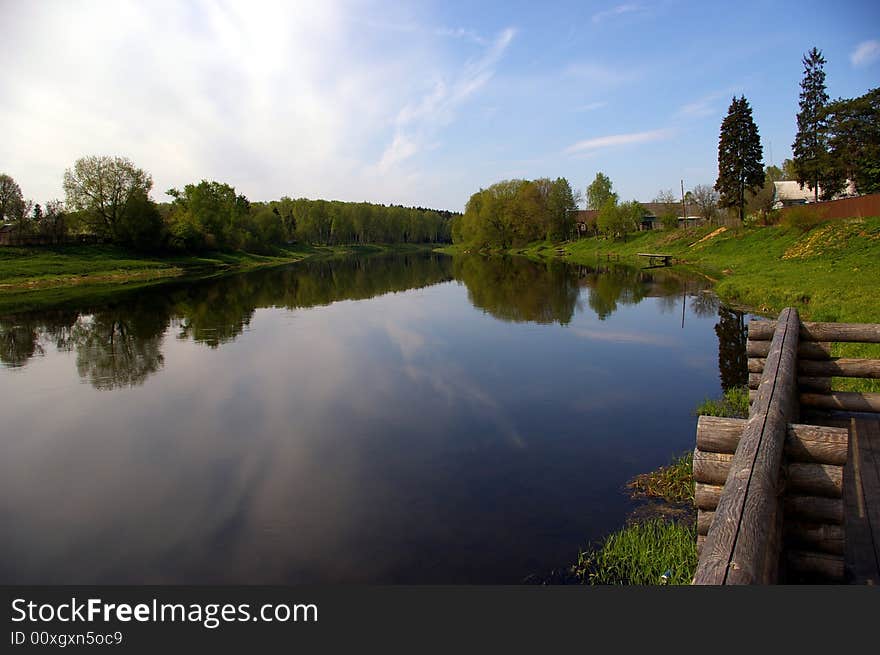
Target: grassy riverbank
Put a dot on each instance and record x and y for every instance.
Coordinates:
(828, 271)
(42, 276)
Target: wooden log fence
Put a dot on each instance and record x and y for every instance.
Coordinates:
(769, 490)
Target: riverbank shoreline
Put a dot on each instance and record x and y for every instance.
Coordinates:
(44, 275)
(827, 271)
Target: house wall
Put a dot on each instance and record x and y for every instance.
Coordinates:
(860, 207)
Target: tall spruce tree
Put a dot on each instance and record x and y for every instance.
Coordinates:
(740, 166)
(810, 145)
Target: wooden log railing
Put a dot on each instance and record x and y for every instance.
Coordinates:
(743, 544)
(816, 366)
(768, 490)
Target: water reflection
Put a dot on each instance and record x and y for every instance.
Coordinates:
(733, 333)
(255, 429)
(120, 344)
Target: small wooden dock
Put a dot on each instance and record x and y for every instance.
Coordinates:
(792, 494)
(653, 256)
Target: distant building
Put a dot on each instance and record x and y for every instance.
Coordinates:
(789, 193)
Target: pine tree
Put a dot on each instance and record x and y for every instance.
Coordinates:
(810, 145)
(740, 166)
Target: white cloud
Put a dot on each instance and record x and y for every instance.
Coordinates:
(273, 98)
(418, 121)
(600, 16)
(614, 140)
(867, 52)
(592, 106)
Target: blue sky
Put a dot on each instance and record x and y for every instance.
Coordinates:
(417, 103)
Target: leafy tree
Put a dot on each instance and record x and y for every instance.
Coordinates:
(774, 174)
(54, 223)
(208, 214)
(11, 200)
(788, 170)
(854, 143)
(610, 220)
(103, 188)
(706, 200)
(671, 206)
(810, 145)
(739, 156)
(599, 192)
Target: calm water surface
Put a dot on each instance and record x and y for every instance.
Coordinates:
(393, 419)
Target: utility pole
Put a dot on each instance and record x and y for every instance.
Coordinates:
(684, 213)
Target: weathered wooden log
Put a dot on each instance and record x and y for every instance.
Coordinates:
(849, 401)
(711, 468)
(803, 443)
(821, 537)
(809, 331)
(706, 496)
(810, 509)
(805, 384)
(701, 540)
(808, 479)
(824, 538)
(813, 564)
(814, 509)
(704, 520)
(815, 479)
(740, 547)
(841, 367)
(814, 385)
(808, 350)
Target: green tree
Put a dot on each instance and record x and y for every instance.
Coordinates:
(810, 145)
(599, 192)
(610, 221)
(208, 214)
(788, 170)
(854, 143)
(11, 200)
(102, 188)
(740, 168)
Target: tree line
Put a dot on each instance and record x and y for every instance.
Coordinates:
(515, 212)
(108, 198)
(837, 143)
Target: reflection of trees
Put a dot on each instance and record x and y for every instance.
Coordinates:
(615, 285)
(705, 304)
(516, 289)
(19, 341)
(120, 347)
(118, 342)
(732, 335)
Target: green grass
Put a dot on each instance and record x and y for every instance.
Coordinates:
(828, 272)
(733, 404)
(673, 483)
(646, 553)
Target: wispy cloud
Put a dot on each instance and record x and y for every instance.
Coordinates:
(867, 52)
(615, 140)
(592, 106)
(417, 121)
(600, 16)
(706, 105)
(462, 33)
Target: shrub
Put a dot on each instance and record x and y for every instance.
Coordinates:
(803, 218)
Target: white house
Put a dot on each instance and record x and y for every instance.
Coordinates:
(789, 192)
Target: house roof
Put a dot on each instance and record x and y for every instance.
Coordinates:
(791, 190)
